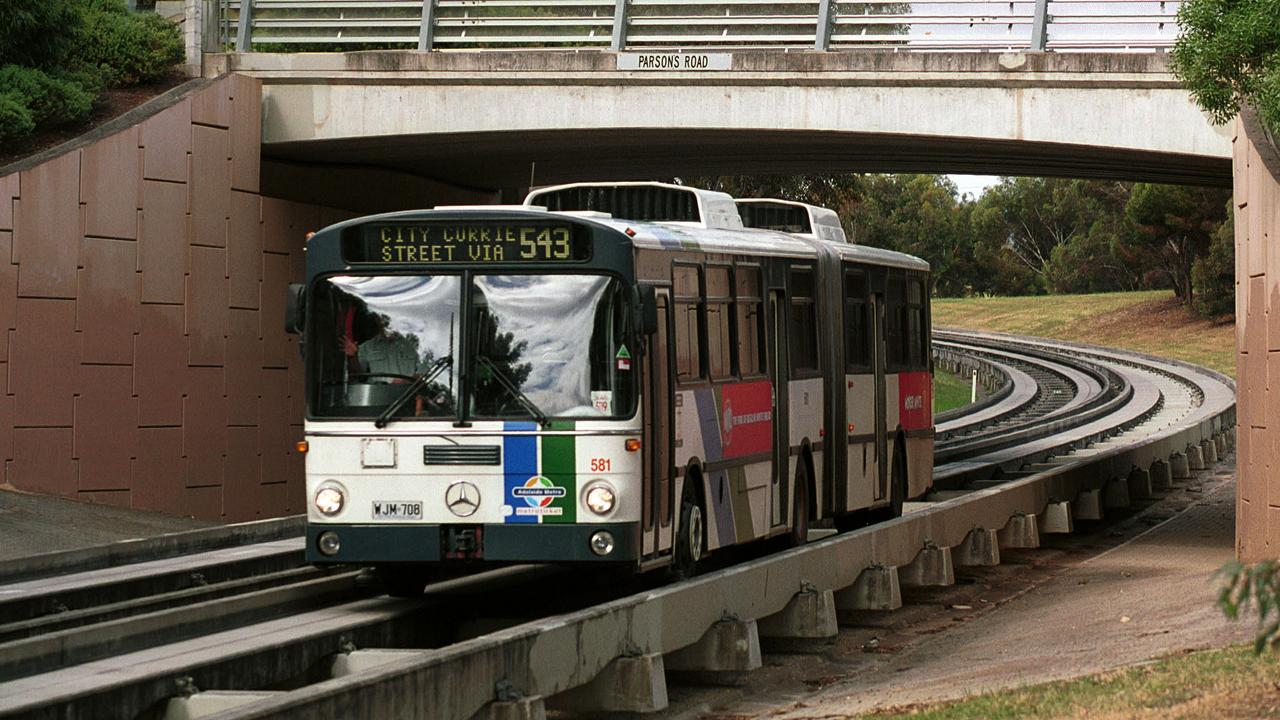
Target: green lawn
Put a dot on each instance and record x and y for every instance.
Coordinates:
(1230, 682)
(1151, 322)
(949, 391)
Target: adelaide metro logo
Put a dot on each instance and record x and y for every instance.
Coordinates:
(538, 491)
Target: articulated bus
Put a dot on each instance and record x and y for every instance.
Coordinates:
(622, 375)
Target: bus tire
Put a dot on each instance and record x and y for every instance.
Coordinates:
(800, 505)
(691, 532)
(898, 484)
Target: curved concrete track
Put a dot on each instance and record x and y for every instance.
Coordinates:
(502, 642)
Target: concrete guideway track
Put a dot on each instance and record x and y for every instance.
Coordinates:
(623, 643)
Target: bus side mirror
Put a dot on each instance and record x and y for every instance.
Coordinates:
(295, 317)
(648, 311)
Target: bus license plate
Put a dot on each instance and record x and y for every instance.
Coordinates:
(397, 510)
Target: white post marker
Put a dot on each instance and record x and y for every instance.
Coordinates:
(973, 392)
(674, 61)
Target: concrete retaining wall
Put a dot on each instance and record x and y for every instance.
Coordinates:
(1257, 218)
(142, 277)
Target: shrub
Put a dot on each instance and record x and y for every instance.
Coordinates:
(126, 48)
(1214, 274)
(51, 101)
(1256, 586)
(15, 119)
(37, 33)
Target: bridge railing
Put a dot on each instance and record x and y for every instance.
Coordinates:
(698, 25)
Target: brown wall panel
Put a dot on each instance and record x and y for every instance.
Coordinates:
(276, 345)
(246, 133)
(44, 362)
(162, 244)
(213, 105)
(8, 293)
(204, 427)
(47, 235)
(206, 307)
(242, 494)
(108, 300)
(159, 470)
(166, 139)
(244, 250)
(210, 186)
(160, 366)
(1257, 195)
(8, 191)
(42, 461)
(109, 177)
(106, 429)
(143, 356)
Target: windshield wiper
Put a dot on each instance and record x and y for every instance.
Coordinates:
(413, 389)
(510, 387)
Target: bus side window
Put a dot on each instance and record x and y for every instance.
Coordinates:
(855, 322)
(895, 336)
(719, 347)
(749, 307)
(916, 329)
(804, 324)
(688, 298)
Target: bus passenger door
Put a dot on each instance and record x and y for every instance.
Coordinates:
(779, 371)
(877, 366)
(656, 496)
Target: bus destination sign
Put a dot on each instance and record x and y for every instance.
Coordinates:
(462, 242)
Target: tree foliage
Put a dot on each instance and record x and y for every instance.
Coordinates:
(1229, 55)
(1030, 235)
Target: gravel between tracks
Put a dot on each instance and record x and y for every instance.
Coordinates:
(1074, 611)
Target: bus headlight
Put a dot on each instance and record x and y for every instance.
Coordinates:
(329, 500)
(600, 499)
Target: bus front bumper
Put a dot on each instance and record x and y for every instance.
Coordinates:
(385, 543)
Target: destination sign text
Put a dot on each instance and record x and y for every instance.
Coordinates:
(461, 242)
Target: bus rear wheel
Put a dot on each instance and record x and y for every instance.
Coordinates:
(800, 506)
(898, 484)
(690, 534)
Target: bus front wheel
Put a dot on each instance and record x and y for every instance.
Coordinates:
(690, 535)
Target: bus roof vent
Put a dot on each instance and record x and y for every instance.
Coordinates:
(642, 202)
(792, 217)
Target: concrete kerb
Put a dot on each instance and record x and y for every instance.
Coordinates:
(555, 654)
(157, 547)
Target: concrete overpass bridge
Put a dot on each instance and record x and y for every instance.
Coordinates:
(499, 95)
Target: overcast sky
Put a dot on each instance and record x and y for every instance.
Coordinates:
(974, 184)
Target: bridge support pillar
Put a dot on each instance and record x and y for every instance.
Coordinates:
(1220, 442)
(1088, 505)
(810, 616)
(1209, 449)
(1161, 476)
(360, 660)
(628, 684)
(1140, 485)
(208, 704)
(1181, 468)
(1020, 532)
(529, 708)
(728, 646)
(1056, 518)
(876, 588)
(1115, 494)
(980, 547)
(1195, 458)
(932, 567)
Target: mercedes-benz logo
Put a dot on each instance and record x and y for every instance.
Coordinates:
(462, 499)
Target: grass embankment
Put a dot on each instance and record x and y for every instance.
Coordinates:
(1227, 683)
(1151, 322)
(949, 391)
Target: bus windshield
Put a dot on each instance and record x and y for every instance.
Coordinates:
(531, 347)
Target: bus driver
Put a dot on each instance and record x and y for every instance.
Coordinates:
(387, 353)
